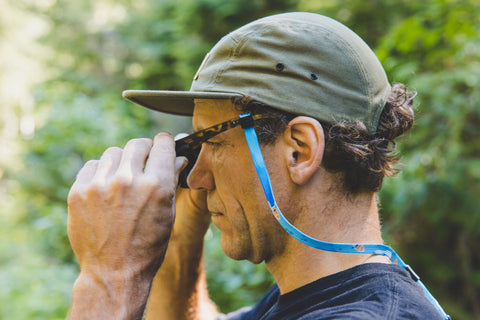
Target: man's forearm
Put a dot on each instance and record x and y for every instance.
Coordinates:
(179, 289)
(109, 297)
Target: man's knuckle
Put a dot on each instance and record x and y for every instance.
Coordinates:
(149, 182)
(90, 163)
(111, 151)
(94, 190)
(139, 142)
(164, 195)
(165, 147)
(121, 182)
(157, 190)
(74, 196)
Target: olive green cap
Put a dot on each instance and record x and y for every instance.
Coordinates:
(302, 63)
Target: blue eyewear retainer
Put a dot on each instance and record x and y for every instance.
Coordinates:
(246, 122)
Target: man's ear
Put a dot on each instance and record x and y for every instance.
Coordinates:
(305, 143)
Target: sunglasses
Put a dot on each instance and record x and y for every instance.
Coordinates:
(191, 145)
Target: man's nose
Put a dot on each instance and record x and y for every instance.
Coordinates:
(201, 177)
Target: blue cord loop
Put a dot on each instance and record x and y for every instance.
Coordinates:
(377, 249)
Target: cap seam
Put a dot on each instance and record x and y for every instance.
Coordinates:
(231, 55)
(377, 109)
(358, 65)
(361, 68)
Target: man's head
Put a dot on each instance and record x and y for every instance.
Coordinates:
(333, 120)
(305, 64)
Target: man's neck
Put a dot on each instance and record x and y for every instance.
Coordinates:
(352, 221)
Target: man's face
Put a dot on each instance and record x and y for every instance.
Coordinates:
(235, 197)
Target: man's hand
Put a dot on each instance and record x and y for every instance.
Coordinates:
(194, 218)
(121, 213)
(179, 289)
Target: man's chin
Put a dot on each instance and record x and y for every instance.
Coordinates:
(232, 249)
(238, 252)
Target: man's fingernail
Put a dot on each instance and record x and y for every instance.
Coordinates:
(161, 135)
(181, 163)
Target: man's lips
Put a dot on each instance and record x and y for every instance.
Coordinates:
(214, 207)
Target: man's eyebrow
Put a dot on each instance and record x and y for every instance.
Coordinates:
(195, 126)
(199, 127)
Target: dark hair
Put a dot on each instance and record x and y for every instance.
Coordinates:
(364, 159)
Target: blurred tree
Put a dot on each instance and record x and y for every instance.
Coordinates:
(95, 49)
(432, 210)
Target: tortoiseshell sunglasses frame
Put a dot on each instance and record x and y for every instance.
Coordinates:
(189, 146)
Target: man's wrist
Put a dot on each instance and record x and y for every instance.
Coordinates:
(109, 296)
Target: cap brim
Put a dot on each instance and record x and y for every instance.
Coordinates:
(174, 102)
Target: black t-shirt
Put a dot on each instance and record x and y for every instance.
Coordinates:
(368, 291)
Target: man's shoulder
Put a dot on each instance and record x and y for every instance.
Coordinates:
(370, 291)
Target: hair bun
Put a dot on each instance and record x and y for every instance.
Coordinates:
(397, 117)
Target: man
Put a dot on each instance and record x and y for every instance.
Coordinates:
(326, 119)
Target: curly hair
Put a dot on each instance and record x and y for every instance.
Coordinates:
(362, 158)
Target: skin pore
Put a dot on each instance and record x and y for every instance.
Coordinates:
(308, 196)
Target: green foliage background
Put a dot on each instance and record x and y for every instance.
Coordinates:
(63, 65)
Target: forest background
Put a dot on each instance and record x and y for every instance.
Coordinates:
(64, 64)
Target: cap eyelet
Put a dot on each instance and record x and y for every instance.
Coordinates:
(313, 76)
(280, 66)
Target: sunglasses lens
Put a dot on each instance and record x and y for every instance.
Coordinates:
(191, 153)
(192, 158)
